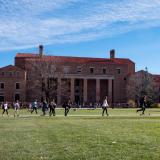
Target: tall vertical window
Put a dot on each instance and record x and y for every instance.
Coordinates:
(17, 74)
(118, 71)
(17, 97)
(17, 85)
(104, 70)
(91, 70)
(1, 97)
(2, 85)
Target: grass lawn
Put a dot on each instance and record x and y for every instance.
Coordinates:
(83, 135)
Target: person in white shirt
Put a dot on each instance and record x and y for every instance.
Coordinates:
(16, 108)
(105, 105)
(5, 108)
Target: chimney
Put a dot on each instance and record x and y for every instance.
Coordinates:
(112, 54)
(41, 50)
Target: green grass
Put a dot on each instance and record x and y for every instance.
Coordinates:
(124, 135)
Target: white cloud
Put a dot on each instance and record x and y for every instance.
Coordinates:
(26, 23)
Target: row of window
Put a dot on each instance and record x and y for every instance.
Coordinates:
(16, 97)
(2, 85)
(9, 73)
(79, 70)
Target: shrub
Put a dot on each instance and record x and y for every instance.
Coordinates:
(131, 103)
(155, 105)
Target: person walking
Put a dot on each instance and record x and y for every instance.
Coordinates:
(52, 106)
(143, 105)
(67, 107)
(44, 107)
(16, 108)
(105, 105)
(34, 107)
(5, 108)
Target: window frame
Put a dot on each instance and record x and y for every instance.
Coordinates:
(118, 71)
(16, 86)
(79, 69)
(104, 70)
(3, 85)
(91, 70)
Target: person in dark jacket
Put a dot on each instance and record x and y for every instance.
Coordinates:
(143, 104)
(67, 106)
(34, 106)
(44, 107)
(52, 106)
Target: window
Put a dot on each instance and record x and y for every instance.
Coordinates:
(66, 69)
(77, 82)
(118, 71)
(1, 85)
(2, 73)
(91, 69)
(17, 73)
(17, 85)
(10, 74)
(79, 69)
(104, 70)
(1, 97)
(17, 97)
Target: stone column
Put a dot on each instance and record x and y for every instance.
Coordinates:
(97, 90)
(59, 91)
(85, 90)
(72, 90)
(110, 90)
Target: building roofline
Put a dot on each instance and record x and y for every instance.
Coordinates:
(91, 59)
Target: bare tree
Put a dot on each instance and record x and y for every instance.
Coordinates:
(43, 74)
(42, 78)
(140, 84)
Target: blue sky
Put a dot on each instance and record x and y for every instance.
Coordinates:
(82, 28)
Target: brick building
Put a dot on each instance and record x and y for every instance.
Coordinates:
(12, 84)
(82, 79)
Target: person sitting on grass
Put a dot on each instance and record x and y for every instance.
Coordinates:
(143, 105)
(5, 108)
(105, 105)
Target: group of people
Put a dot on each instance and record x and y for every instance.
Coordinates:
(44, 105)
(16, 106)
(33, 107)
(67, 105)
